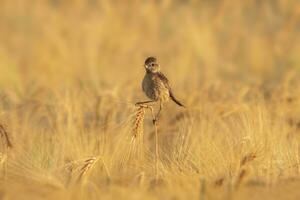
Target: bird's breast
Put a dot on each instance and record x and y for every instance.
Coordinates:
(154, 88)
(148, 86)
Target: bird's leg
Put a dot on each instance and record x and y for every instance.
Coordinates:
(144, 102)
(158, 113)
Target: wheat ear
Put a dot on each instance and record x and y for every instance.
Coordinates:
(5, 133)
(87, 167)
(138, 122)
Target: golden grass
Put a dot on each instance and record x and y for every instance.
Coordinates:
(70, 75)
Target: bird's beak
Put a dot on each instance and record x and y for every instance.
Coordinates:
(146, 66)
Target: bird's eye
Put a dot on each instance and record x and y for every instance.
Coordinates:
(152, 64)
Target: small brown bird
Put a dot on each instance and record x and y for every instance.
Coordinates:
(156, 85)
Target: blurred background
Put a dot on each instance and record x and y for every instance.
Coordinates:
(57, 43)
(71, 71)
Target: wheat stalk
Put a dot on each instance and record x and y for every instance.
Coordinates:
(138, 130)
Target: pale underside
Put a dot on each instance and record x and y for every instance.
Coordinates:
(156, 87)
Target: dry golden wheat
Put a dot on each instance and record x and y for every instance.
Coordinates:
(6, 136)
(241, 176)
(247, 159)
(138, 122)
(219, 182)
(70, 72)
(88, 165)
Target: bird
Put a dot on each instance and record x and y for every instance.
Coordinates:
(156, 85)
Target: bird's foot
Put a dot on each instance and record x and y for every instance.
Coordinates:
(155, 120)
(142, 104)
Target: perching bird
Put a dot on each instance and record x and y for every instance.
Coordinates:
(156, 85)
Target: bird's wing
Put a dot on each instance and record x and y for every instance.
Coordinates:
(166, 83)
(164, 80)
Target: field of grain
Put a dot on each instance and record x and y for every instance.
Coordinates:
(71, 72)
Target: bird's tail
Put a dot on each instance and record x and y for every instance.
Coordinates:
(175, 100)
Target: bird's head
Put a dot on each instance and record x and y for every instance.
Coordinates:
(151, 65)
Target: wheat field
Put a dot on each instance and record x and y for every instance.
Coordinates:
(71, 72)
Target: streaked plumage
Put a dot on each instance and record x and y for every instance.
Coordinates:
(155, 84)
